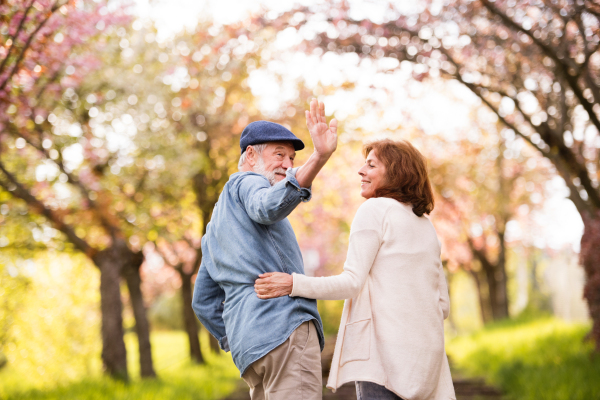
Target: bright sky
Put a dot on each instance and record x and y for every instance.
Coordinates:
(433, 111)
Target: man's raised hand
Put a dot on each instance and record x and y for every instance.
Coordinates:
(324, 138)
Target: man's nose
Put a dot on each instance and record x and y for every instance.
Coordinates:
(287, 163)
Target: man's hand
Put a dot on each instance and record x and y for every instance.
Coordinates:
(324, 138)
(273, 284)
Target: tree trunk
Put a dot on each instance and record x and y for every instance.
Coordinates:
(189, 317)
(502, 281)
(590, 259)
(484, 307)
(496, 283)
(495, 276)
(114, 354)
(131, 272)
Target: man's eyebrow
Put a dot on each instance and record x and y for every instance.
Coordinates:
(284, 148)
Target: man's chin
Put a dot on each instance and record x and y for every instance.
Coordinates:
(279, 177)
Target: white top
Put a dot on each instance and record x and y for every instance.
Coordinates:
(392, 327)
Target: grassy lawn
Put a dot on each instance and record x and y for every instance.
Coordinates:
(179, 379)
(543, 358)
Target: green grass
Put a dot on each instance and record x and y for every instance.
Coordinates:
(542, 358)
(178, 377)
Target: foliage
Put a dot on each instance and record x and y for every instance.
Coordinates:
(496, 184)
(531, 358)
(535, 65)
(13, 288)
(331, 315)
(53, 336)
(165, 312)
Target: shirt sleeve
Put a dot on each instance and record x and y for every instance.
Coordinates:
(266, 204)
(208, 305)
(365, 239)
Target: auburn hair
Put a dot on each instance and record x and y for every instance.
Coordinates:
(406, 178)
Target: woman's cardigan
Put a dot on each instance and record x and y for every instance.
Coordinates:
(392, 327)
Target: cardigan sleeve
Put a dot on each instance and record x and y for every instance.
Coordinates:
(443, 288)
(362, 251)
(365, 239)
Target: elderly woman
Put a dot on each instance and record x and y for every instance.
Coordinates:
(391, 336)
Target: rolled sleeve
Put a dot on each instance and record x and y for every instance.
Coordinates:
(305, 193)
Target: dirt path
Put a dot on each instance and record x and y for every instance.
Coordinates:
(466, 389)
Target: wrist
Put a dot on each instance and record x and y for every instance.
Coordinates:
(321, 157)
(291, 284)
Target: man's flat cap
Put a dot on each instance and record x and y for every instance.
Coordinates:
(264, 131)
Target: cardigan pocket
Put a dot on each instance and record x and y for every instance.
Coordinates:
(357, 342)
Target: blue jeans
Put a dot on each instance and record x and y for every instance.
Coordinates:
(373, 391)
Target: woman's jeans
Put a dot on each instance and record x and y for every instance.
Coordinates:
(373, 391)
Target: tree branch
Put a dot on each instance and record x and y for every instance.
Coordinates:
(37, 206)
(574, 195)
(570, 69)
(15, 37)
(112, 230)
(552, 140)
(512, 24)
(27, 44)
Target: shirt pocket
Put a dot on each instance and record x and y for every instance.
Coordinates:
(357, 342)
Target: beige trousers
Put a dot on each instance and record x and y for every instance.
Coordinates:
(290, 371)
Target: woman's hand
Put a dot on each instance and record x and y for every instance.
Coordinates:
(273, 284)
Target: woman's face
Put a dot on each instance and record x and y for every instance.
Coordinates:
(372, 176)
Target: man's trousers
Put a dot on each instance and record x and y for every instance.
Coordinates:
(290, 371)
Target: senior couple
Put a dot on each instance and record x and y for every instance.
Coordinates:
(252, 295)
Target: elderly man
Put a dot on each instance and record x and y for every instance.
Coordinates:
(275, 343)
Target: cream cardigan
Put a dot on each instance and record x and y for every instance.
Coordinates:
(392, 327)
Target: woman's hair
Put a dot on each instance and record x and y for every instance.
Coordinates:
(406, 178)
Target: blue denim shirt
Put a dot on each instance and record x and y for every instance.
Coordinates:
(249, 234)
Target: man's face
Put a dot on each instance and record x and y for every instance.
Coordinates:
(276, 158)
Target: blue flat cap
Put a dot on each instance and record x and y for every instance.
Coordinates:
(264, 131)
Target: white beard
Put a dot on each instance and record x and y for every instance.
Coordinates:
(259, 168)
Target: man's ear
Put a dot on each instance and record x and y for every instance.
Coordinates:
(250, 156)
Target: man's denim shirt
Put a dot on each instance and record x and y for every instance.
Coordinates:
(249, 234)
